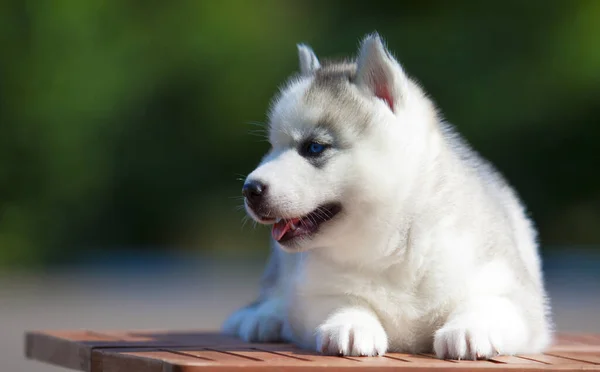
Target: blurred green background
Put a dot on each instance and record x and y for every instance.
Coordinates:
(124, 125)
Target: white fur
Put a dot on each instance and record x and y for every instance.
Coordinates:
(432, 252)
(308, 60)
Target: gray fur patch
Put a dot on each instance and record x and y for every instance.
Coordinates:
(335, 71)
(332, 90)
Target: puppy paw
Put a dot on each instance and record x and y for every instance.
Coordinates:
(469, 343)
(352, 332)
(482, 334)
(259, 323)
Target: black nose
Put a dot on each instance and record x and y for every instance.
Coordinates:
(254, 191)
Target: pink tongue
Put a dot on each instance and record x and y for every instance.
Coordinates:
(282, 227)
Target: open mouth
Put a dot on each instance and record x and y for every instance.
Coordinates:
(287, 229)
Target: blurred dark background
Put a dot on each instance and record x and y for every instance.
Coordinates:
(126, 123)
(125, 126)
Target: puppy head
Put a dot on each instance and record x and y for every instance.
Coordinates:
(340, 136)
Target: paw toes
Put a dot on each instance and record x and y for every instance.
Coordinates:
(464, 344)
(261, 328)
(254, 325)
(457, 347)
(233, 323)
(269, 330)
(249, 329)
(480, 346)
(351, 341)
(368, 344)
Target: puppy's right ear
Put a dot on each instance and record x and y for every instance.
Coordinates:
(309, 62)
(378, 72)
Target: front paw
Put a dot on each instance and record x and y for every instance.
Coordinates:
(262, 322)
(482, 333)
(352, 332)
(466, 343)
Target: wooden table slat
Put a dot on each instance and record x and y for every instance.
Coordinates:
(551, 359)
(511, 359)
(260, 355)
(582, 357)
(150, 360)
(314, 358)
(212, 355)
(420, 359)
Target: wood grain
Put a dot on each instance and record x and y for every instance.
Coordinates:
(197, 351)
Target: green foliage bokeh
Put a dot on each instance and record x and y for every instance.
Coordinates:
(125, 123)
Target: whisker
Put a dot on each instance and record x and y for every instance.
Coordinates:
(326, 212)
(322, 213)
(261, 130)
(244, 221)
(258, 133)
(311, 218)
(256, 123)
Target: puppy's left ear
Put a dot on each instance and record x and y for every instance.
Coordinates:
(309, 62)
(378, 72)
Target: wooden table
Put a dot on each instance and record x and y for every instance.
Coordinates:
(171, 351)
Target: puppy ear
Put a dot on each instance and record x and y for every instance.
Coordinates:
(378, 72)
(309, 62)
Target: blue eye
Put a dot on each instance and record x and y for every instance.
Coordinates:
(314, 148)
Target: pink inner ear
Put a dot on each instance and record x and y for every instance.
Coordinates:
(382, 91)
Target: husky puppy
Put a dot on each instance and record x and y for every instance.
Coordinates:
(389, 232)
